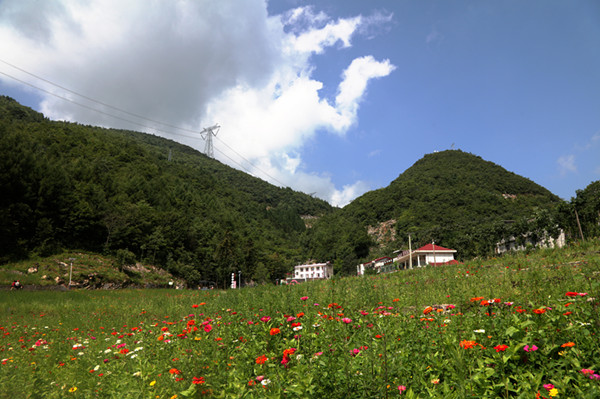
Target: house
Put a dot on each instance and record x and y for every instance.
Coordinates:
(546, 241)
(429, 254)
(380, 265)
(314, 271)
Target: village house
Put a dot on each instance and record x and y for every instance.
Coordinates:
(429, 254)
(379, 265)
(546, 241)
(315, 271)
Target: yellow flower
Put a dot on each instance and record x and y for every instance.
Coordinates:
(72, 389)
(553, 392)
(174, 396)
(152, 383)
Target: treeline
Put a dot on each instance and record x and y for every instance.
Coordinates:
(143, 198)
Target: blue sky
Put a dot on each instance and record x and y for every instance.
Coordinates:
(331, 97)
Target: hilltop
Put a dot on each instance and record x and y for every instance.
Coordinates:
(455, 198)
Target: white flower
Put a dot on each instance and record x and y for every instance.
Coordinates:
(266, 381)
(481, 331)
(137, 373)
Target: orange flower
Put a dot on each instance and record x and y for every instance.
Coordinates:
(174, 371)
(274, 331)
(428, 310)
(476, 299)
(568, 345)
(539, 311)
(467, 344)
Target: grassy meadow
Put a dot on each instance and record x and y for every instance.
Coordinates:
(518, 326)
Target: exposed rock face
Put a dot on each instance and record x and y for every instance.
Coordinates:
(383, 233)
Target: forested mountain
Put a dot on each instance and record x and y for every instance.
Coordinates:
(142, 197)
(149, 199)
(455, 198)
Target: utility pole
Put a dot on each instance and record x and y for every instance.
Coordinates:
(240, 278)
(409, 253)
(433, 244)
(207, 134)
(579, 224)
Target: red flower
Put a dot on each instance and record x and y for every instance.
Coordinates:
(572, 294)
(274, 331)
(198, 380)
(501, 348)
(261, 359)
(174, 371)
(539, 311)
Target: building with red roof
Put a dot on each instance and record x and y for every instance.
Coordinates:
(429, 254)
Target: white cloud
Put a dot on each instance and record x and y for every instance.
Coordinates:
(195, 63)
(566, 164)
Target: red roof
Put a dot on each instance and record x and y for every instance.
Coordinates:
(430, 248)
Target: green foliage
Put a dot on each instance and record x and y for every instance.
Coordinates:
(455, 198)
(66, 185)
(506, 328)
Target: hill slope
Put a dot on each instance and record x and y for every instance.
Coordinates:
(455, 198)
(141, 197)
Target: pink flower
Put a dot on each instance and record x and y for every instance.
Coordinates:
(586, 371)
(347, 320)
(401, 388)
(291, 318)
(264, 319)
(304, 298)
(260, 378)
(548, 386)
(531, 348)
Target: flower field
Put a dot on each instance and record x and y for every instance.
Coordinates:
(520, 326)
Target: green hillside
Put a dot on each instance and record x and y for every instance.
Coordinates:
(455, 198)
(140, 198)
(143, 198)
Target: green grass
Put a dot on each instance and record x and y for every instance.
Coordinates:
(89, 269)
(356, 337)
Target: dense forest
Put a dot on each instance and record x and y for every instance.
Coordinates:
(144, 198)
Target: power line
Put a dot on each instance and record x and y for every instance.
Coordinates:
(131, 114)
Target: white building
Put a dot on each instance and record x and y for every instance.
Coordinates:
(314, 271)
(379, 265)
(546, 241)
(429, 254)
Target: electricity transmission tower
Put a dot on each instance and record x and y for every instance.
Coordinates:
(207, 134)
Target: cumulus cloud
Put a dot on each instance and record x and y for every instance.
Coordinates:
(195, 63)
